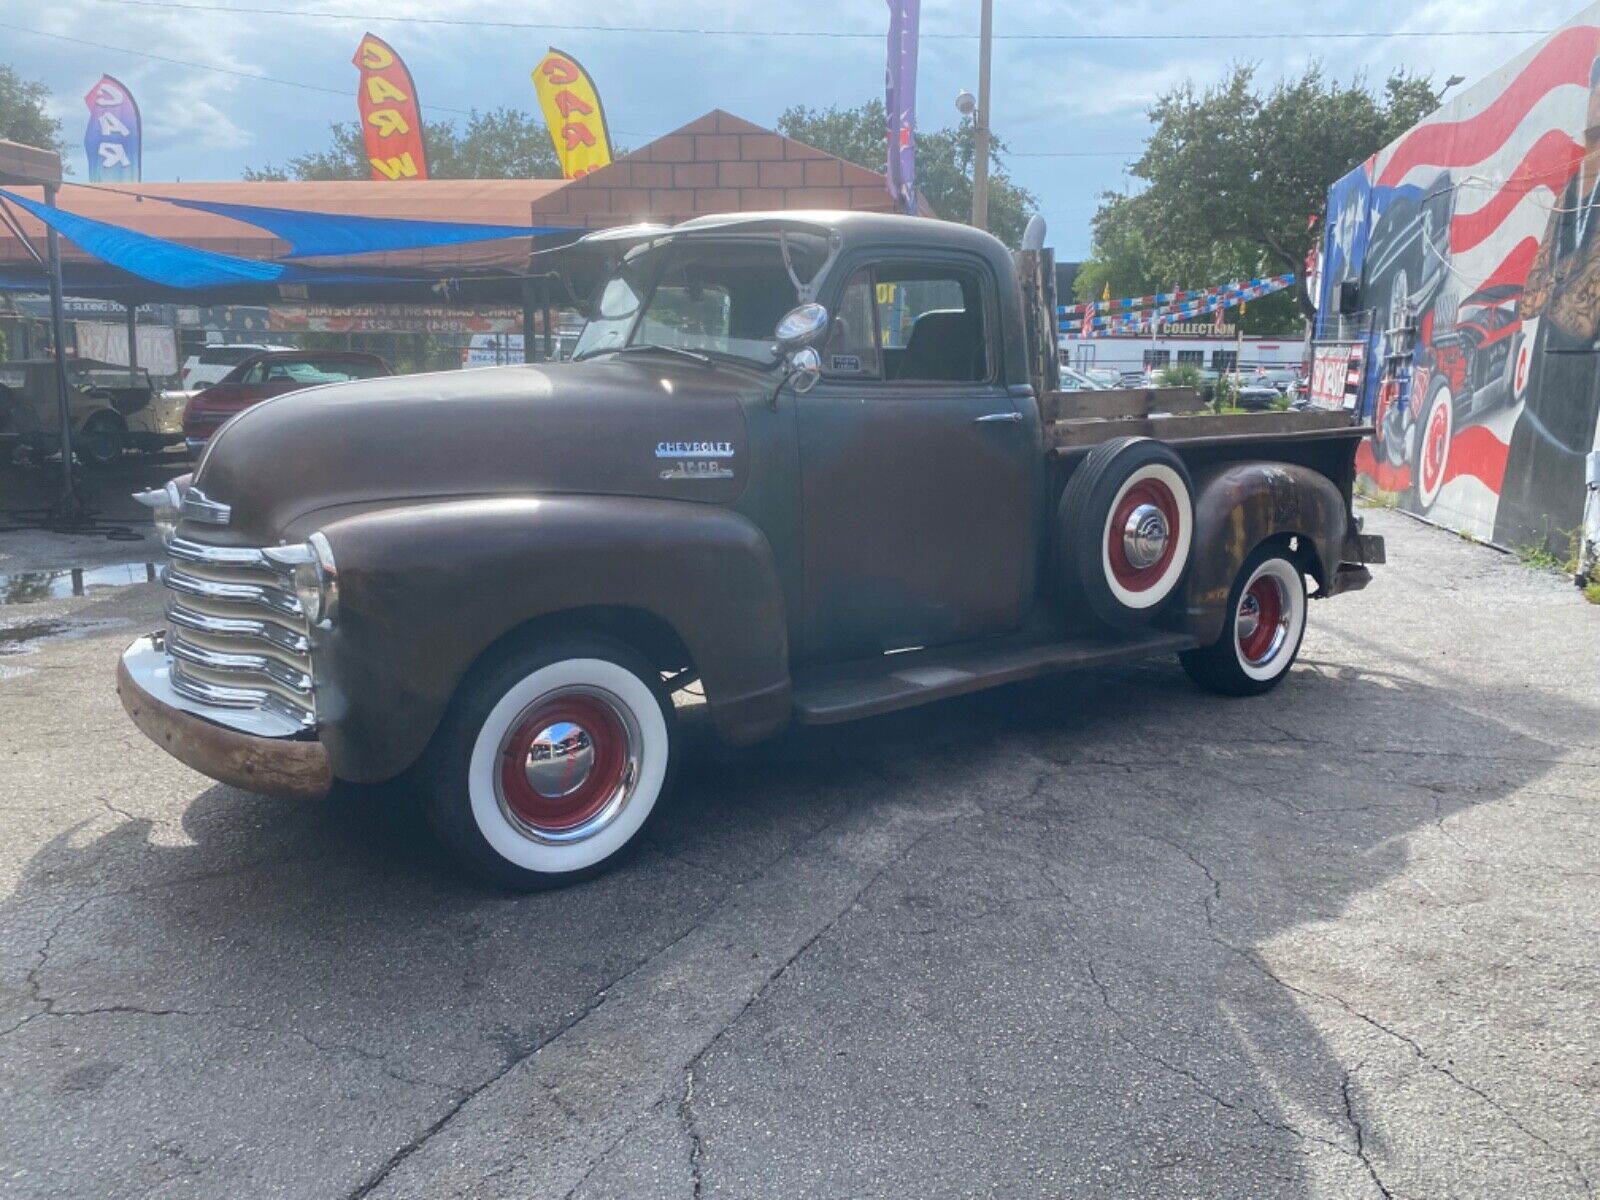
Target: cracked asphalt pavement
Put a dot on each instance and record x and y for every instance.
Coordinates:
(1096, 936)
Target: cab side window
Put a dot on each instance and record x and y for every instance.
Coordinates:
(932, 324)
(850, 350)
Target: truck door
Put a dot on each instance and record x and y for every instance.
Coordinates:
(919, 468)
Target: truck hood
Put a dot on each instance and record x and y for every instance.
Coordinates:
(642, 425)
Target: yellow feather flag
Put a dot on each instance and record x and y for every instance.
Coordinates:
(1105, 296)
(571, 108)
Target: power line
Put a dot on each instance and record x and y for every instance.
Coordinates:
(697, 31)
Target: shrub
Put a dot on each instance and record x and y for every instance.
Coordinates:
(1182, 375)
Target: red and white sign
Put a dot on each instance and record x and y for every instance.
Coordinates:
(1335, 375)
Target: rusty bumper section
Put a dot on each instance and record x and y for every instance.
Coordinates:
(1360, 551)
(271, 766)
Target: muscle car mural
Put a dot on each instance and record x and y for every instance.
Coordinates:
(1477, 273)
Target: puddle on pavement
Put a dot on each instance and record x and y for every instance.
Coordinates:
(16, 638)
(32, 587)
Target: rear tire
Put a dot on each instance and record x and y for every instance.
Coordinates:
(1265, 625)
(550, 763)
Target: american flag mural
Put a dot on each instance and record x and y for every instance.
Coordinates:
(1466, 250)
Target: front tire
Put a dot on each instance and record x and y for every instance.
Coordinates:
(1265, 625)
(549, 764)
(101, 441)
(1432, 453)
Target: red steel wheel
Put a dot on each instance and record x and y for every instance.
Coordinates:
(1265, 623)
(563, 762)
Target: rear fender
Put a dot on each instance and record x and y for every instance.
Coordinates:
(1240, 505)
(426, 589)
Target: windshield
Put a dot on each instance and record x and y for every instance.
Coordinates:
(709, 295)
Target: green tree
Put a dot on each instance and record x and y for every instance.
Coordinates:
(1233, 175)
(23, 116)
(945, 159)
(502, 143)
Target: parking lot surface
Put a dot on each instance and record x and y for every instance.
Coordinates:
(1097, 936)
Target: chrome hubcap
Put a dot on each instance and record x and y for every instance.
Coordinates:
(1249, 618)
(1144, 537)
(560, 758)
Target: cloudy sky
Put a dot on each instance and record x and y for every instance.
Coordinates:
(1052, 98)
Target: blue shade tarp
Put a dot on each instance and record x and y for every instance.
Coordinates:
(169, 263)
(317, 233)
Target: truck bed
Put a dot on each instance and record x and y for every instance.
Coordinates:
(1076, 421)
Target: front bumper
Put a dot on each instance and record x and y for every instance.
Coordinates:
(272, 766)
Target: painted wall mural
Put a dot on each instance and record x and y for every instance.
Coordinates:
(1466, 256)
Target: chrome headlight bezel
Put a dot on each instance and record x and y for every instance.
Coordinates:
(315, 576)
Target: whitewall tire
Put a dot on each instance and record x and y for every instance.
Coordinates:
(549, 766)
(1265, 624)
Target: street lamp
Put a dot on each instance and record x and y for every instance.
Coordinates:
(1450, 83)
(979, 110)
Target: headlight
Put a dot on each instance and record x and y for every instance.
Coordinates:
(166, 507)
(316, 579)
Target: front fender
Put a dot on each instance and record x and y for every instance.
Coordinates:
(425, 589)
(1237, 506)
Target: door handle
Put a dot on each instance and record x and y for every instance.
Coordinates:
(1010, 418)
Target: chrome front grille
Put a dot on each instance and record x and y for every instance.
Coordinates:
(237, 636)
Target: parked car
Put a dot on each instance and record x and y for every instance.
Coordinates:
(798, 460)
(1073, 380)
(262, 376)
(1284, 379)
(214, 362)
(112, 409)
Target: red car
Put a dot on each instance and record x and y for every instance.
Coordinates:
(262, 376)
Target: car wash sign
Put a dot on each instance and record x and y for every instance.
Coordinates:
(112, 141)
(391, 117)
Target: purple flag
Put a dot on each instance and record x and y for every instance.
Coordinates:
(900, 102)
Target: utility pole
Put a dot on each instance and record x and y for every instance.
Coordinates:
(980, 165)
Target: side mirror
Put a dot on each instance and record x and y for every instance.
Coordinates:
(801, 325)
(805, 368)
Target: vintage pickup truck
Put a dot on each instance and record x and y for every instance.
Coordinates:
(798, 459)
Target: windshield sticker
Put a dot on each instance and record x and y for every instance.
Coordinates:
(694, 449)
(846, 362)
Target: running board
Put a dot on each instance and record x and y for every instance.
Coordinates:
(867, 687)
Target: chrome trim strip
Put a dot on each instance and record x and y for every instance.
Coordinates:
(231, 697)
(246, 627)
(271, 598)
(247, 557)
(245, 664)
